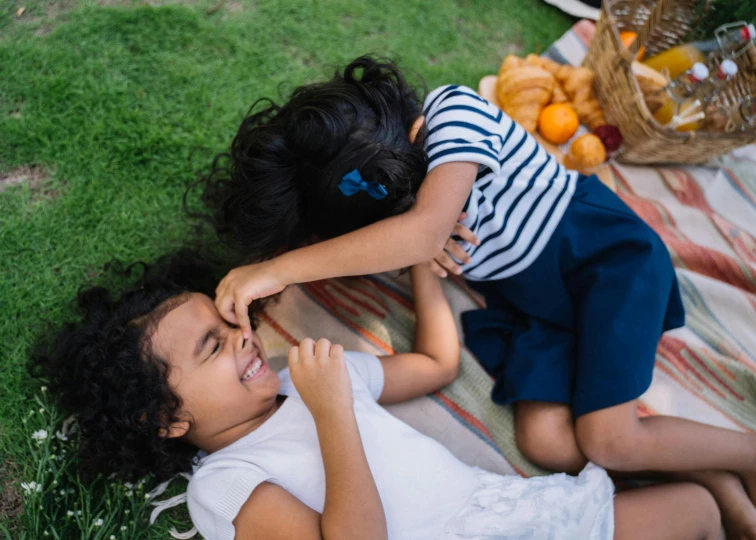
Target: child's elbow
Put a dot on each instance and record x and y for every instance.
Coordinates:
(449, 373)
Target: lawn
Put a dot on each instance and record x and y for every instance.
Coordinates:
(107, 112)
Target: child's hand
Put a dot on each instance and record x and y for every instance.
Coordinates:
(320, 375)
(443, 263)
(241, 287)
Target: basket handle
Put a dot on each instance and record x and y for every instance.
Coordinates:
(661, 8)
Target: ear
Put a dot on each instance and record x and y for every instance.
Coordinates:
(175, 430)
(415, 129)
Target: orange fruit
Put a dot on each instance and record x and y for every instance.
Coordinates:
(627, 39)
(558, 123)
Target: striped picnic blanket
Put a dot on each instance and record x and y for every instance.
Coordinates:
(705, 371)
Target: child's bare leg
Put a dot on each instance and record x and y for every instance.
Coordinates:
(666, 512)
(545, 434)
(749, 480)
(738, 512)
(617, 439)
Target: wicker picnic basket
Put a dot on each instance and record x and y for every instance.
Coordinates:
(659, 25)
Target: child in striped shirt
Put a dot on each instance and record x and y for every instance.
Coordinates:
(356, 176)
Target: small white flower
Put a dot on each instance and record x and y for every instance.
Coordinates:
(78, 512)
(31, 487)
(112, 536)
(63, 493)
(44, 389)
(129, 493)
(124, 527)
(147, 496)
(60, 435)
(39, 436)
(128, 485)
(70, 514)
(71, 490)
(52, 457)
(127, 512)
(41, 410)
(54, 482)
(46, 533)
(98, 522)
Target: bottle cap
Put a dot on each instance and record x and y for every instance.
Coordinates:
(699, 71)
(727, 69)
(749, 32)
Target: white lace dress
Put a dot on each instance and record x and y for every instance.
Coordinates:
(555, 507)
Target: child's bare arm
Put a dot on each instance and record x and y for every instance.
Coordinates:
(353, 507)
(434, 360)
(416, 236)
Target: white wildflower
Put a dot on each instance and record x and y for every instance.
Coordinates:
(128, 485)
(39, 436)
(127, 512)
(31, 487)
(112, 537)
(70, 514)
(44, 389)
(41, 410)
(124, 527)
(63, 493)
(60, 435)
(98, 522)
(55, 483)
(78, 512)
(129, 493)
(52, 457)
(46, 533)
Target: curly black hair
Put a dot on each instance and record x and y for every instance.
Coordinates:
(278, 187)
(103, 371)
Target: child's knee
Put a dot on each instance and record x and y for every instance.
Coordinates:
(609, 446)
(701, 504)
(548, 440)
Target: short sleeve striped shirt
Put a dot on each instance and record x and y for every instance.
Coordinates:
(520, 192)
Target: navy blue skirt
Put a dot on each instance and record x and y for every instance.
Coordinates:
(581, 324)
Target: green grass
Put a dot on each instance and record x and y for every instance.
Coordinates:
(110, 101)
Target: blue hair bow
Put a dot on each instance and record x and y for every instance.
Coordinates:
(352, 182)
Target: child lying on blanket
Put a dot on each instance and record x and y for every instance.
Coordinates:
(355, 176)
(156, 374)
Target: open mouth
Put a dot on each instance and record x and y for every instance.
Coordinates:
(254, 369)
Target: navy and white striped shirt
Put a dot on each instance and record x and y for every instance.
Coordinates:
(520, 193)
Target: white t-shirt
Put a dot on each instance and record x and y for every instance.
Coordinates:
(421, 484)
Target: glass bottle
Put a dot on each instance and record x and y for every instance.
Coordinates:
(725, 72)
(730, 41)
(679, 90)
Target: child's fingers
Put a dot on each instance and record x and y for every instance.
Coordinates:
(454, 249)
(462, 216)
(293, 356)
(448, 263)
(437, 269)
(465, 234)
(337, 351)
(225, 307)
(322, 348)
(241, 309)
(306, 350)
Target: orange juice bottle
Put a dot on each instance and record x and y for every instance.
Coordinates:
(730, 41)
(680, 90)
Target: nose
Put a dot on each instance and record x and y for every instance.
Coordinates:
(240, 343)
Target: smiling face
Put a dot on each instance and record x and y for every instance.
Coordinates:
(225, 383)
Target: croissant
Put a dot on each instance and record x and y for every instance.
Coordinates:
(523, 91)
(559, 96)
(578, 85)
(511, 62)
